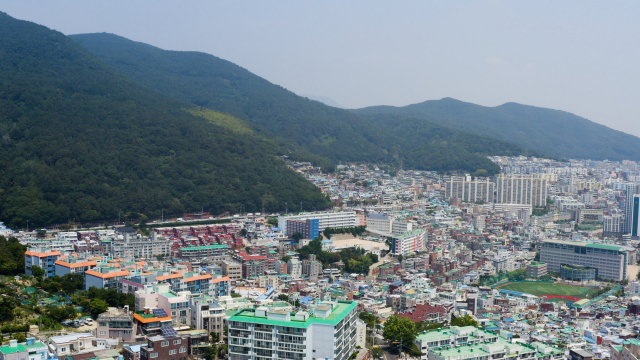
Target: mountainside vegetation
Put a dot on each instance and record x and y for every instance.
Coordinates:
(548, 132)
(82, 142)
(308, 127)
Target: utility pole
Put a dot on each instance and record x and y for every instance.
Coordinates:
(286, 208)
(162, 216)
(27, 225)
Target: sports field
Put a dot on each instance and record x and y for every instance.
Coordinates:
(541, 289)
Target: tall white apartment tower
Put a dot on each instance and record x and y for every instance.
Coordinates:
(521, 189)
(635, 216)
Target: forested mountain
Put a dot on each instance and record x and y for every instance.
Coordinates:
(82, 142)
(549, 132)
(332, 133)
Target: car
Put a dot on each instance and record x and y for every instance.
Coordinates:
(89, 322)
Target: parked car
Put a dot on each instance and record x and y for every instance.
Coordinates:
(89, 322)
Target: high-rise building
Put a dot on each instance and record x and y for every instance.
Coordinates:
(630, 191)
(610, 260)
(613, 224)
(410, 242)
(524, 189)
(635, 216)
(309, 228)
(470, 191)
(327, 331)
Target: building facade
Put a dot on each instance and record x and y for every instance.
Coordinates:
(336, 220)
(269, 333)
(411, 242)
(470, 191)
(309, 228)
(525, 189)
(43, 258)
(610, 260)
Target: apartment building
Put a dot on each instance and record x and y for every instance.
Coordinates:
(212, 252)
(630, 191)
(44, 258)
(470, 191)
(137, 247)
(470, 343)
(610, 260)
(116, 324)
(523, 189)
(73, 265)
(336, 220)
(635, 217)
(326, 332)
(104, 277)
(536, 269)
(613, 224)
(311, 267)
(309, 228)
(231, 269)
(387, 226)
(410, 242)
(207, 314)
(165, 347)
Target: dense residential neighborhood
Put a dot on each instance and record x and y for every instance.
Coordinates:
(413, 263)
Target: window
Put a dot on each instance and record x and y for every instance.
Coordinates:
(172, 352)
(165, 343)
(183, 349)
(102, 332)
(153, 355)
(176, 342)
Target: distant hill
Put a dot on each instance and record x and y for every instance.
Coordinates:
(551, 132)
(82, 142)
(325, 100)
(310, 127)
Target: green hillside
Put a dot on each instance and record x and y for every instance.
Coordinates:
(278, 114)
(82, 142)
(550, 132)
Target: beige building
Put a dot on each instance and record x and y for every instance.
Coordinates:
(231, 269)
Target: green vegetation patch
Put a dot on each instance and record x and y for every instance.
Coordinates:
(226, 121)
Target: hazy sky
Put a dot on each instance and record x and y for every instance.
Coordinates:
(578, 56)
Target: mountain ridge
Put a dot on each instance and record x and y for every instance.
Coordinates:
(336, 135)
(548, 131)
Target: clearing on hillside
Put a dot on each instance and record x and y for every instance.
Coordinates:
(545, 288)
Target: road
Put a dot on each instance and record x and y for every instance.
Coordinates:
(380, 262)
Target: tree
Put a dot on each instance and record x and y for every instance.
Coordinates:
(399, 329)
(98, 306)
(215, 337)
(400, 257)
(377, 352)
(243, 232)
(369, 319)
(20, 337)
(37, 272)
(273, 221)
(296, 236)
(210, 352)
(466, 320)
(286, 258)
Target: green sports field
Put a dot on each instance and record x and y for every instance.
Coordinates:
(541, 288)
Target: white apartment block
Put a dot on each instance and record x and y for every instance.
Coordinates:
(525, 189)
(140, 247)
(341, 219)
(610, 260)
(329, 331)
(411, 242)
(470, 191)
(387, 226)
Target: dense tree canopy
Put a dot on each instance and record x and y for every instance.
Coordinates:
(82, 142)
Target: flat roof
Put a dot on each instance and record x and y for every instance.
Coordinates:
(339, 313)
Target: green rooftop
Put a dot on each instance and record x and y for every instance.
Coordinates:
(5, 350)
(339, 313)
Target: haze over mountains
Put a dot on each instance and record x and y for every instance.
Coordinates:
(103, 126)
(546, 131)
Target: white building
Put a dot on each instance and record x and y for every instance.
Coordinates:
(336, 220)
(387, 226)
(410, 242)
(328, 332)
(525, 189)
